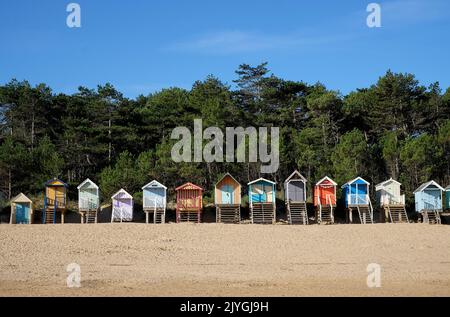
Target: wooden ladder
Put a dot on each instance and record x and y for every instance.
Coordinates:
(431, 217)
(189, 216)
(228, 214)
(262, 213)
(297, 213)
(365, 214)
(326, 214)
(397, 213)
(91, 216)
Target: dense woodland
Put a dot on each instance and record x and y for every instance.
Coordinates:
(396, 128)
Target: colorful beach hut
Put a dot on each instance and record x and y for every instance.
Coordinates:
(447, 197)
(428, 198)
(325, 200)
(55, 201)
(21, 210)
(155, 201)
(88, 201)
(295, 197)
(227, 198)
(262, 195)
(189, 203)
(122, 206)
(356, 198)
(390, 199)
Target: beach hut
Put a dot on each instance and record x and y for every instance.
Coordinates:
(227, 198)
(428, 198)
(155, 201)
(447, 197)
(88, 201)
(325, 200)
(391, 201)
(295, 198)
(261, 193)
(189, 203)
(356, 197)
(122, 206)
(55, 201)
(21, 210)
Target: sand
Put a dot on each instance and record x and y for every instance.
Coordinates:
(224, 260)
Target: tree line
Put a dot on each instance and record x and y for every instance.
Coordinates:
(395, 128)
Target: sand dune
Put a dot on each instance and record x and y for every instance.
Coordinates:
(224, 260)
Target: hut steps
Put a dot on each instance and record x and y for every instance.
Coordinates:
(431, 217)
(397, 214)
(49, 216)
(365, 214)
(189, 216)
(325, 214)
(159, 216)
(297, 213)
(90, 216)
(263, 213)
(228, 214)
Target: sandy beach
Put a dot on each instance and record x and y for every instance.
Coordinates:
(224, 260)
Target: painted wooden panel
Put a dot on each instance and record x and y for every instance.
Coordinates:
(22, 211)
(122, 209)
(324, 195)
(223, 187)
(296, 191)
(447, 199)
(88, 198)
(154, 197)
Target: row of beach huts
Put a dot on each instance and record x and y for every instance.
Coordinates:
(430, 200)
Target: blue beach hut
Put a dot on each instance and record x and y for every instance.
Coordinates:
(155, 201)
(428, 198)
(356, 197)
(261, 196)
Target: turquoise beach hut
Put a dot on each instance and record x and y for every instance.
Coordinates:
(356, 197)
(428, 198)
(88, 201)
(155, 201)
(262, 201)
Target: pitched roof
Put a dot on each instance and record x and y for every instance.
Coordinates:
(154, 183)
(427, 184)
(122, 191)
(326, 178)
(188, 184)
(295, 173)
(48, 183)
(355, 180)
(229, 175)
(388, 181)
(261, 180)
(21, 198)
(87, 181)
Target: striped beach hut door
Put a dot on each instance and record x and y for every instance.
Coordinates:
(22, 212)
(227, 195)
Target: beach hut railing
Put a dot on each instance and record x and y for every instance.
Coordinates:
(88, 204)
(358, 199)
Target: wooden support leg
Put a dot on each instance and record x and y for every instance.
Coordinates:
(62, 218)
(82, 218)
(146, 217)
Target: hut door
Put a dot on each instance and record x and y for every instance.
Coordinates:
(259, 195)
(296, 191)
(22, 213)
(159, 197)
(227, 195)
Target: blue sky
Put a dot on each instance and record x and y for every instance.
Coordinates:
(143, 46)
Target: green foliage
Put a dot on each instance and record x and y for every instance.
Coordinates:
(395, 128)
